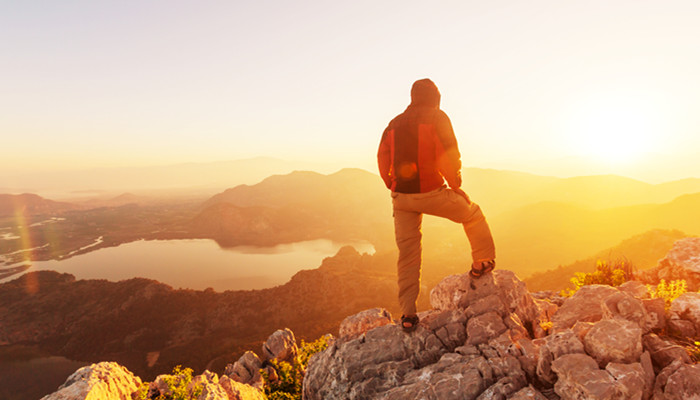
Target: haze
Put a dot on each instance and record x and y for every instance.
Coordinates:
(550, 87)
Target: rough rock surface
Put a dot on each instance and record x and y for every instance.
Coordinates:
(246, 370)
(614, 340)
(687, 307)
(355, 325)
(681, 262)
(281, 346)
(102, 381)
(585, 305)
(449, 355)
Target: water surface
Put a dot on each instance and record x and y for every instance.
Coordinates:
(200, 263)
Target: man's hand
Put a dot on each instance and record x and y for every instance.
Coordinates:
(460, 192)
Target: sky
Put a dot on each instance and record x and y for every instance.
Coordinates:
(552, 87)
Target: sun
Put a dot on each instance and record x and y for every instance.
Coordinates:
(613, 129)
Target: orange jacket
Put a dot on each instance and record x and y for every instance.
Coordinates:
(418, 148)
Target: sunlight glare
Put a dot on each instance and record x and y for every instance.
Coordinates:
(614, 130)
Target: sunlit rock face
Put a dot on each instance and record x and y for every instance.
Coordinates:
(479, 341)
(106, 381)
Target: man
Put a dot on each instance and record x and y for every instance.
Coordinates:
(417, 154)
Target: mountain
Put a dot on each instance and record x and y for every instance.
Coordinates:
(186, 175)
(150, 327)
(642, 251)
(31, 204)
(502, 191)
(302, 205)
(548, 234)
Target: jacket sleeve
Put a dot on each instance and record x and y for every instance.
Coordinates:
(449, 159)
(384, 156)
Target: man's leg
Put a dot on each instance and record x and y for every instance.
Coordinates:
(407, 225)
(448, 204)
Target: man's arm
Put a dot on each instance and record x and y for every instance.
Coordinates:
(449, 160)
(384, 156)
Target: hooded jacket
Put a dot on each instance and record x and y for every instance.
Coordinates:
(418, 151)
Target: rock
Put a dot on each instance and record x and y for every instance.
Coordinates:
(662, 352)
(579, 378)
(371, 364)
(678, 381)
(656, 314)
(681, 327)
(486, 304)
(448, 294)
(684, 383)
(238, 391)
(553, 347)
(104, 381)
(636, 289)
(623, 305)
(246, 370)
(281, 346)
(581, 329)
(515, 296)
(614, 340)
(649, 377)
(208, 383)
(682, 262)
(687, 307)
(459, 291)
(356, 325)
(584, 305)
(630, 379)
(482, 328)
(528, 393)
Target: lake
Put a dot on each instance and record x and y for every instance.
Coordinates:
(200, 263)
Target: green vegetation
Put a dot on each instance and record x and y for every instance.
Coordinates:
(606, 273)
(178, 387)
(287, 384)
(668, 291)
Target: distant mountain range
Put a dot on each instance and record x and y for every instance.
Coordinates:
(642, 251)
(31, 204)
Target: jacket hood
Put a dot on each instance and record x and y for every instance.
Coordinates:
(425, 93)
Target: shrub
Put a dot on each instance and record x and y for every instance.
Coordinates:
(668, 291)
(290, 376)
(606, 273)
(177, 383)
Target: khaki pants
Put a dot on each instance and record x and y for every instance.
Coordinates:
(408, 216)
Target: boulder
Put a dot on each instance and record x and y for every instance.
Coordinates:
(678, 381)
(528, 393)
(482, 328)
(281, 346)
(682, 328)
(459, 291)
(355, 325)
(104, 381)
(386, 358)
(635, 289)
(682, 262)
(656, 314)
(614, 340)
(239, 391)
(625, 306)
(663, 352)
(584, 305)
(687, 307)
(579, 378)
(514, 294)
(553, 347)
(246, 370)
(630, 380)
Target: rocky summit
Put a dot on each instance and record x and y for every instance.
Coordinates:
(486, 338)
